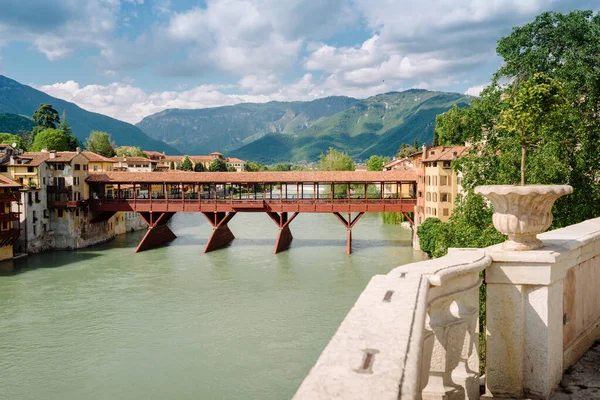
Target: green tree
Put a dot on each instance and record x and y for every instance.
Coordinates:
(172, 167)
(452, 127)
(64, 126)
(51, 139)
(218, 165)
(406, 150)
(231, 169)
(252, 166)
(534, 107)
(199, 167)
(186, 164)
(99, 142)
(376, 163)
(564, 47)
(132, 151)
(282, 167)
(46, 116)
(9, 138)
(335, 160)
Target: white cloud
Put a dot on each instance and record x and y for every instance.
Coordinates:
(129, 103)
(477, 89)
(56, 29)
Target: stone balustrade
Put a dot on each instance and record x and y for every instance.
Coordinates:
(413, 333)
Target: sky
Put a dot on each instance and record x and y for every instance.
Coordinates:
(132, 58)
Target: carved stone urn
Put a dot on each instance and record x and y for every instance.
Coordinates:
(521, 212)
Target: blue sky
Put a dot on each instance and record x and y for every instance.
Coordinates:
(132, 58)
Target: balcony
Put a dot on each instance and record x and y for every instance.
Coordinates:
(11, 216)
(59, 189)
(9, 236)
(6, 197)
(67, 203)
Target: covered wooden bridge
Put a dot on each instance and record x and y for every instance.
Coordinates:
(219, 196)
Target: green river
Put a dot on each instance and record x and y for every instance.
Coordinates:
(174, 323)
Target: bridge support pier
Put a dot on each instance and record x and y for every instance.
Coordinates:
(284, 238)
(221, 235)
(349, 224)
(158, 232)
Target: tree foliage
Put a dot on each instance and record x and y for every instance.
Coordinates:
(335, 160)
(218, 165)
(565, 149)
(186, 164)
(46, 116)
(100, 143)
(406, 150)
(132, 151)
(452, 127)
(199, 167)
(376, 163)
(470, 225)
(52, 139)
(9, 138)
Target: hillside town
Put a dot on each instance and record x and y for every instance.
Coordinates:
(44, 196)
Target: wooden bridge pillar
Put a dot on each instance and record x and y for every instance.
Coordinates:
(221, 235)
(158, 232)
(349, 224)
(284, 238)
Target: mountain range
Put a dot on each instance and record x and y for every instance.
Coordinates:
(297, 131)
(301, 131)
(16, 98)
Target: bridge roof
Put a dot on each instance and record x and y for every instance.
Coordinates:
(253, 177)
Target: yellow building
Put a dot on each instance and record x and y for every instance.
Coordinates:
(98, 163)
(440, 182)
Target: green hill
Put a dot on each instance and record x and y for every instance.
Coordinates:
(16, 98)
(301, 131)
(13, 123)
(227, 128)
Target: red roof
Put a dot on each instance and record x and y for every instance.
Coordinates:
(6, 182)
(94, 157)
(445, 153)
(254, 177)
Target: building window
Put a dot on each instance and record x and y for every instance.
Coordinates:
(85, 167)
(446, 212)
(29, 169)
(3, 168)
(435, 163)
(34, 230)
(434, 196)
(443, 180)
(45, 227)
(420, 194)
(76, 180)
(435, 181)
(444, 197)
(59, 212)
(95, 168)
(60, 167)
(446, 164)
(428, 178)
(77, 211)
(46, 213)
(434, 212)
(76, 196)
(428, 196)
(4, 225)
(77, 167)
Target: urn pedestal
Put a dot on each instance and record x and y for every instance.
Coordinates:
(521, 212)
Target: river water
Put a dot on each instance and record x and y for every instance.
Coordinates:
(174, 323)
